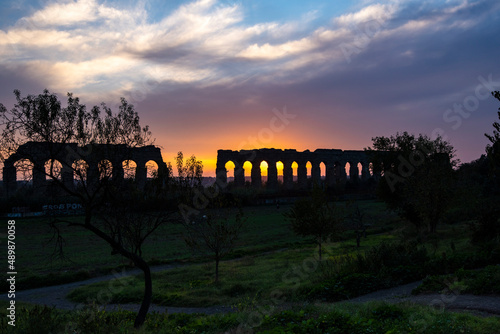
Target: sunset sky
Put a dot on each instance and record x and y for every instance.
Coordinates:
(208, 74)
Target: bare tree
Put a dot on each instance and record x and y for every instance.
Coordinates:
(356, 219)
(42, 119)
(215, 233)
(315, 217)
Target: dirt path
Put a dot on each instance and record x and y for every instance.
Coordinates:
(56, 296)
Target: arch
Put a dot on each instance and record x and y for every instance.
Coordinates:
(80, 168)
(370, 168)
(151, 169)
(105, 168)
(129, 169)
(360, 169)
(53, 169)
(264, 170)
(247, 170)
(322, 168)
(230, 165)
(309, 169)
(348, 169)
(295, 173)
(24, 170)
(280, 170)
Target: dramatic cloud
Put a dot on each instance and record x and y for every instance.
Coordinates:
(207, 74)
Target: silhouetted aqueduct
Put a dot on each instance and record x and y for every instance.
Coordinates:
(69, 154)
(335, 162)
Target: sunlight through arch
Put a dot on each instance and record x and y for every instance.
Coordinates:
(279, 168)
(105, 169)
(309, 169)
(230, 166)
(348, 170)
(24, 170)
(247, 170)
(129, 169)
(263, 171)
(151, 169)
(53, 169)
(322, 168)
(295, 167)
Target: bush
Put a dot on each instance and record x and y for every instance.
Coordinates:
(479, 282)
(342, 287)
(38, 319)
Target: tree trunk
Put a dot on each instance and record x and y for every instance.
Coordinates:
(138, 261)
(148, 292)
(216, 270)
(319, 243)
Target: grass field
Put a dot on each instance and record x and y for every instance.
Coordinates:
(264, 230)
(270, 266)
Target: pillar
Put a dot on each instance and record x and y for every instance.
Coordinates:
(221, 176)
(365, 171)
(141, 174)
(316, 173)
(256, 175)
(67, 176)
(341, 174)
(117, 172)
(239, 174)
(272, 175)
(9, 179)
(302, 175)
(92, 175)
(287, 175)
(38, 175)
(353, 172)
(330, 175)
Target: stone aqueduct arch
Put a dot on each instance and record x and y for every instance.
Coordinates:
(67, 154)
(335, 161)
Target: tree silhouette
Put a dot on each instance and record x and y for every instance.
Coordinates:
(493, 149)
(315, 217)
(42, 119)
(417, 176)
(214, 232)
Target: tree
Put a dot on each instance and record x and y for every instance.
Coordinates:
(417, 176)
(356, 219)
(42, 119)
(493, 149)
(214, 232)
(314, 216)
(189, 173)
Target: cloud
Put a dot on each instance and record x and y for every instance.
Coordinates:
(403, 62)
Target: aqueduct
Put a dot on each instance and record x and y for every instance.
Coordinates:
(335, 161)
(92, 155)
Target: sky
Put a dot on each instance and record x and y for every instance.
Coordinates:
(223, 74)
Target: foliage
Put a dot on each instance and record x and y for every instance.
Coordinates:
(41, 118)
(127, 219)
(493, 149)
(314, 216)
(356, 221)
(341, 319)
(382, 266)
(190, 172)
(418, 175)
(484, 281)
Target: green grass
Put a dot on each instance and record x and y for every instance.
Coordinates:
(483, 281)
(374, 317)
(86, 255)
